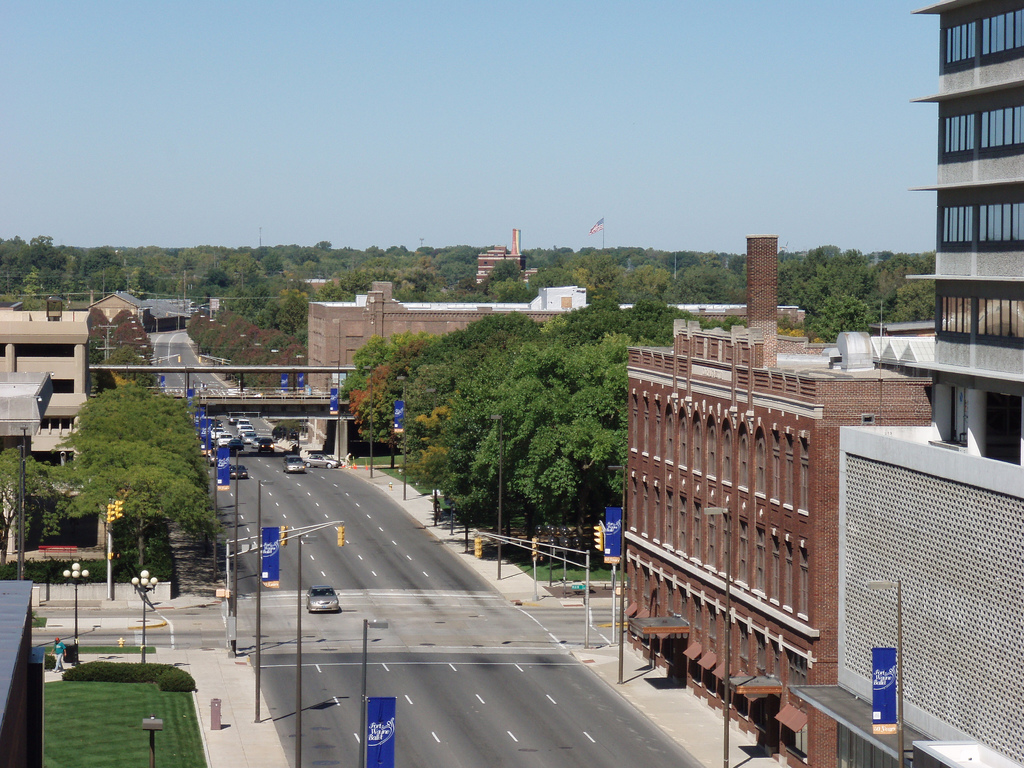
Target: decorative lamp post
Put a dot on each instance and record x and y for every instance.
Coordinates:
(76, 574)
(501, 485)
(367, 625)
(711, 512)
(144, 586)
(898, 586)
(405, 412)
(622, 553)
(369, 380)
(152, 724)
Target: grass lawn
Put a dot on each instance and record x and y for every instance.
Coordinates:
(96, 725)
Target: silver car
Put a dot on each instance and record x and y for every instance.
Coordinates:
(317, 459)
(294, 464)
(322, 598)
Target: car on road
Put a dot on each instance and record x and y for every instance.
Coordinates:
(321, 597)
(317, 459)
(249, 438)
(224, 439)
(239, 472)
(294, 464)
(235, 445)
(264, 445)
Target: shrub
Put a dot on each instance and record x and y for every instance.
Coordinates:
(166, 677)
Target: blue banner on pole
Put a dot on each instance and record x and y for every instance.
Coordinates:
(163, 381)
(334, 401)
(883, 690)
(284, 382)
(190, 394)
(223, 468)
(380, 731)
(302, 379)
(204, 433)
(399, 416)
(271, 557)
(612, 534)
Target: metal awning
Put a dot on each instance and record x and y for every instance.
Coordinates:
(708, 660)
(756, 686)
(693, 650)
(793, 718)
(855, 713)
(659, 626)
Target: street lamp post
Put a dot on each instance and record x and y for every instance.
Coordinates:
(259, 590)
(298, 655)
(367, 625)
(233, 602)
(501, 485)
(369, 379)
(712, 512)
(622, 577)
(21, 510)
(898, 585)
(75, 575)
(144, 586)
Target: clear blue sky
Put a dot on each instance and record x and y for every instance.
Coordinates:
(686, 125)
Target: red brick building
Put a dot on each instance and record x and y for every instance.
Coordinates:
(723, 420)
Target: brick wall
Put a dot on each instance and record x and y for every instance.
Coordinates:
(762, 289)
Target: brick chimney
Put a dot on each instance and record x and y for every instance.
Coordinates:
(762, 298)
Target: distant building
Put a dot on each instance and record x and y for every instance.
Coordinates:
(115, 303)
(742, 420)
(485, 262)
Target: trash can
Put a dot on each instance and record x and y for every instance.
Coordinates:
(71, 654)
(215, 714)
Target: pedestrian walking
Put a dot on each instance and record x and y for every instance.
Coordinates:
(59, 650)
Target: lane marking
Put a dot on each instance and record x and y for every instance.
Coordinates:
(394, 542)
(318, 668)
(323, 574)
(317, 503)
(513, 736)
(551, 700)
(373, 572)
(452, 666)
(425, 574)
(520, 668)
(381, 529)
(408, 699)
(589, 737)
(385, 667)
(481, 700)
(408, 557)
(359, 556)
(435, 737)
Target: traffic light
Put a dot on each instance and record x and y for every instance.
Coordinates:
(536, 549)
(284, 535)
(341, 535)
(478, 547)
(599, 537)
(118, 509)
(110, 512)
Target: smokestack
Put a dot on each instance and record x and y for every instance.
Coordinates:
(762, 292)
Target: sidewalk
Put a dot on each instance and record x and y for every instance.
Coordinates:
(694, 725)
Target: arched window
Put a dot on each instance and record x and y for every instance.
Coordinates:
(698, 464)
(726, 452)
(669, 447)
(712, 448)
(684, 424)
(760, 457)
(744, 458)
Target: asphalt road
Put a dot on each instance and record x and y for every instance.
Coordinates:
(478, 681)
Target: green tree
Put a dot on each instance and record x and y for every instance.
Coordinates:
(40, 493)
(839, 314)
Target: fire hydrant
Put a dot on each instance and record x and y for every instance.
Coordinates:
(391, 486)
(120, 642)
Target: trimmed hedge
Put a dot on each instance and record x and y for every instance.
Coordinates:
(165, 676)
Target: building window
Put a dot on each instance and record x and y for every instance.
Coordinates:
(1001, 317)
(1000, 223)
(696, 551)
(803, 600)
(787, 578)
(759, 468)
(759, 560)
(1000, 127)
(957, 224)
(1001, 33)
(711, 562)
(744, 566)
(960, 42)
(726, 453)
(712, 449)
(669, 519)
(656, 446)
(805, 476)
(712, 623)
(684, 424)
(776, 567)
(776, 467)
(744, 478)
(787, 485)
(744, 649)
(669, 445)
(645, 444)
(959, 133)
(698, 465)
(956, 314)
(762, 654)
(683, 541)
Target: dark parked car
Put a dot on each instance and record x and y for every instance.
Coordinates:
(264, 445)
(239, 472)
(235, 445)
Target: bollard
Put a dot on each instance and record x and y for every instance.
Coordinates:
(215, 714)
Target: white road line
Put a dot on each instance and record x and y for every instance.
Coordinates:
(325, 514)
(318, 504)
(325, 576)
(556, 703)
(394, 542)
(368, 515)
(284, 516)
(428, 576)
(553, 637)
(357, 737)
(381, 529)
(481, 700)
(385, 667)
(408, 557)
(313, 558)
(513, 736)
(338, 703)
(408, 699)
(589, 737)
(520, 668)
(373, 572)
(359, 556)
(435, 737)
(452, 666)
(321, 671)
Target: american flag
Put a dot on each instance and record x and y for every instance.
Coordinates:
(597, 227)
